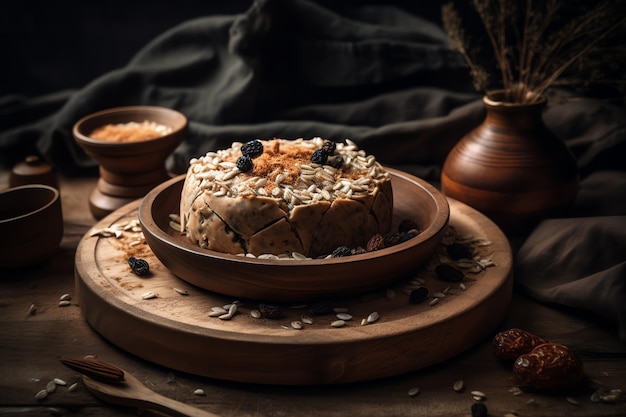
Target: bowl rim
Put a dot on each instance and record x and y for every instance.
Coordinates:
(84, 138)
(441, 219)
(55, 196)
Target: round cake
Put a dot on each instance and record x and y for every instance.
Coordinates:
(286, 197)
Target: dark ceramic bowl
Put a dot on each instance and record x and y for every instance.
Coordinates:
(31, 225)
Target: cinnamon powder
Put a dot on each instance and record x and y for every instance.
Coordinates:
(129, 132)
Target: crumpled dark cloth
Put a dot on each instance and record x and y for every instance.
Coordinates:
(375, 74)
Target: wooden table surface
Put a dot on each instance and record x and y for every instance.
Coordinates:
(32, 344)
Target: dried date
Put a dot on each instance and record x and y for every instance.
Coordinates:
(512, 343)
(549, 366)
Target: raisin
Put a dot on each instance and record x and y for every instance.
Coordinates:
(270, 311)
(319, 157)
(252, 149)
(479, 410)
(335, 161)
(418, 295)
(329, 147)
(459, 251)
(510, 344)
(549, 366)
(341, 251)
(244, 163)
(376, 242)
(448, 273)
(139, 266)
(407, 225)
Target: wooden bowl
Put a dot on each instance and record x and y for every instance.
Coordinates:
(31, 225)
(297, 280)
(128, 169)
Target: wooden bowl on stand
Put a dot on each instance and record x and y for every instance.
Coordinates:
(130, 164)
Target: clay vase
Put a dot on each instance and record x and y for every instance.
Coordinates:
(511, 167)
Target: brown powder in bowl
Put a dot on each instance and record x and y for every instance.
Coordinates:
(130, 132)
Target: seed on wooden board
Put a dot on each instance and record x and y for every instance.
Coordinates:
(199, 391)
(433, 301)
(364, 322)
(73, 387)
(373, 317)
(65, 297)
(256, 314)
(439, 294)
(344, 316)
(59, 381)
(231, 312)
(148, 295)
(41, 394)
(219, 309)
(458, 386)
(216, 313)
(338, 323)
(32, 310)
(181, 291)
(296, 324)
(413, 391)
(51, 387)
(515, 391)
(478, 395)
(462, 287)
(418, 295)
(64, 303)
(306, 319)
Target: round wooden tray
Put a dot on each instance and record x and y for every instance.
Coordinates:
(175, 330)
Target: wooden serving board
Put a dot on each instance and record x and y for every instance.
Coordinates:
(175, 330)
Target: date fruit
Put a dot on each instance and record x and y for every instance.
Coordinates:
(549, 366)
(512, 343)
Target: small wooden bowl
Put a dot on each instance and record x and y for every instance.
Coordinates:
(31, 225)
(297, 280)
(128, 170)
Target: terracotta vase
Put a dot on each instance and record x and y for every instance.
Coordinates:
(511, 167)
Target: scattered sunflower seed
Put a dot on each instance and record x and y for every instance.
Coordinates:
(338, 323)
(73, 387)
(256, 314)
(433, 301)
(458, 386)
(373, 317)
(59, 381)
(199, 391)
(515, 391)
(41, 394)
(64, 303)
(439, 294)
(181, 291)
(532, 401)
(478, 395)
(51, 387)
(65, 297)
(344, 316)
(413, 391)
(148, 295)
(231, 312)
(306, 319)
(32, 310)
(296, 324)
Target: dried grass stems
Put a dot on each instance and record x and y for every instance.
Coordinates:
(537, 43)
